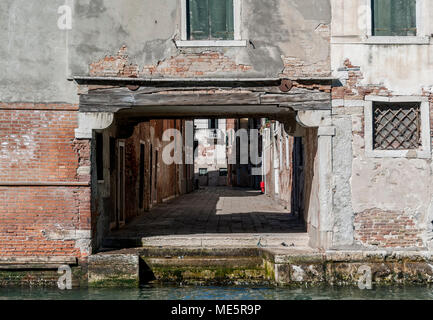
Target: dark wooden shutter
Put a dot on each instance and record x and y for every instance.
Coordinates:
(221, 19)
(403, 17)
(230, 19)
(199, 19)
(382, 17)
(210, 19)
(394, 17)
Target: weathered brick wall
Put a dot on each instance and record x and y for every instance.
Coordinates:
(168, 184)
(205, 63)
(37, 145)
(387, 229)
(352, 88)
(43, 221)
(38, 150)
(181, 65)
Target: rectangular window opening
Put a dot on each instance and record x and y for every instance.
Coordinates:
(396, 126)
(394, 17)
(202, 172)
(210, 19)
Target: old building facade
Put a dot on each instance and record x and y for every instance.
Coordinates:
(382, 58)
(85, 102)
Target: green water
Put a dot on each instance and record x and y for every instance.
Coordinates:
(221, 293)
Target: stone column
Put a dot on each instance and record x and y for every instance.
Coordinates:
(320, 215)
(324, 166)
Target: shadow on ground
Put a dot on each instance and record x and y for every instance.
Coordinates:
(219, 210)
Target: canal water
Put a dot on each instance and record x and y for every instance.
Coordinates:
(221, 293)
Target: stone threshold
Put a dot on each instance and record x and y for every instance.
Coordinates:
(232, 240)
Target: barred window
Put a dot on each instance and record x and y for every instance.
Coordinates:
(396, 126)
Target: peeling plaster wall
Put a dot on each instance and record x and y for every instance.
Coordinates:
(277, 32)
(36, 58)
(378, 202)
(403, 69)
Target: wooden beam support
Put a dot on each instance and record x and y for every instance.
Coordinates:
(115, 99)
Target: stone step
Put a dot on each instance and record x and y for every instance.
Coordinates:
(209, 240)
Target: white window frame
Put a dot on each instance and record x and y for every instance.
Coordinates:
(420, 38)
(423, 152)
(237, 42)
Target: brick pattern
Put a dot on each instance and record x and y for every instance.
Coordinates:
(195, 64)
(182, 66)
(387, 229)
(295, 67)
(114, 66)
(38, 106)
(37, 145)
(168, 178)
(82, 151)
(29, 216)
(352, 88)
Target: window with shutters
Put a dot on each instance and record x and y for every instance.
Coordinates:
(210, 20)
(394, 18)
(211, 23)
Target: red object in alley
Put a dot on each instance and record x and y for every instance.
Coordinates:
(262, 186)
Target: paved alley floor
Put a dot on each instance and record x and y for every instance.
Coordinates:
(217, 217)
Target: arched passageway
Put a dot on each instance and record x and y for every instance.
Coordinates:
(126, 119)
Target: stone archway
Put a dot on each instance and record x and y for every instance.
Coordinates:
(303, 106)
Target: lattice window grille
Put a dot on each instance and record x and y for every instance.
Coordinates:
(396, 126)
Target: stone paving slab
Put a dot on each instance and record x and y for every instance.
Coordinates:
(216, 217)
